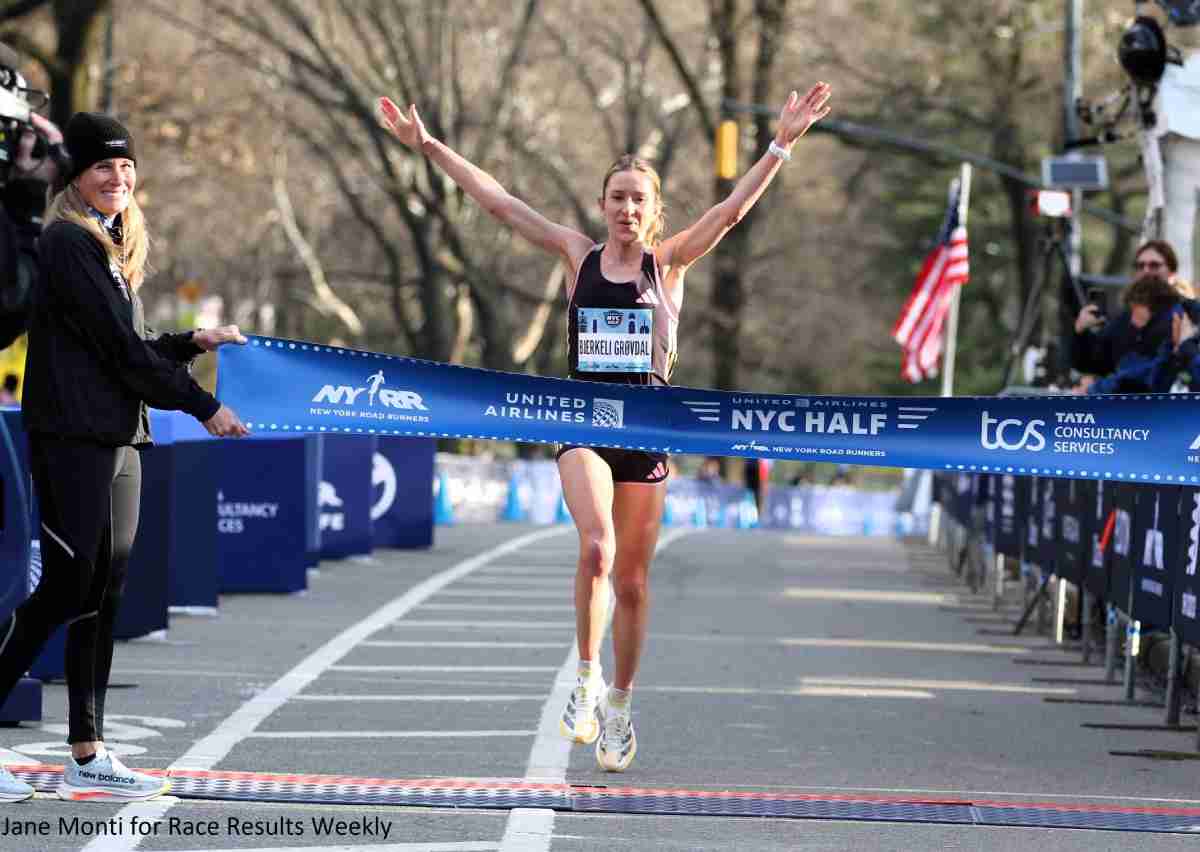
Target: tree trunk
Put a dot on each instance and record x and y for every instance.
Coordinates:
(79, 25)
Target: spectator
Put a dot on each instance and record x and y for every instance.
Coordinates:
(710, 471)
(757, 476)
(1099, 352)
(1151, 303)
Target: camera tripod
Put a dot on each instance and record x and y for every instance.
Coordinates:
(1052, 248)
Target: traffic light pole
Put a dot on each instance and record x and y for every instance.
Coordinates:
(865, 133)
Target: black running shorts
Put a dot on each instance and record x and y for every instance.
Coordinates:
(628, 465)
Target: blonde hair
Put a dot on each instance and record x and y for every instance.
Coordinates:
(130, 256)
(630, 163)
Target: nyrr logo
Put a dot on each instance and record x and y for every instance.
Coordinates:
(347, 395)
(608, 413)
(613, 318)
(997, 434)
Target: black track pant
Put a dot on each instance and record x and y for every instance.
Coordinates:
(88, 497)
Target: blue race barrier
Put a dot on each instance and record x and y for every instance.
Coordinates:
(402, 500)
(1187, 579)
(191, 497)
(344, 497)
(262, 506)
(24, 703)
(192, 560)
(1155, 541)
(49, 664)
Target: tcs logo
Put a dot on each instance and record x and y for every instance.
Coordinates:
(997, 434)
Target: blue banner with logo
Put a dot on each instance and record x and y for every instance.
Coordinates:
(293, 386)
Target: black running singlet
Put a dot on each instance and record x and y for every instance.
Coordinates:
(621, 332)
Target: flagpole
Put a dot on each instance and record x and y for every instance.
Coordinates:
(952, 320)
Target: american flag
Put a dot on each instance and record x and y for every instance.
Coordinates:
(921, 323)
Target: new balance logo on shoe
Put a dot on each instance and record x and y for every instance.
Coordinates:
(108, 779)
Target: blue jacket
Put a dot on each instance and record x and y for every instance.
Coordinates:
(1147, 371)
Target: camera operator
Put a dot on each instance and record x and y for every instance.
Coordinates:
(31, 159)
(1102, 343)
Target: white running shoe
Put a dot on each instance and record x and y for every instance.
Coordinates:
(13, 789)
(107, 779)
(617, 744)
(578, 721)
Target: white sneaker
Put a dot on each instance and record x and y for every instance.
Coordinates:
(617, 744)
(107, 779)
(13, 789)
(578, 721)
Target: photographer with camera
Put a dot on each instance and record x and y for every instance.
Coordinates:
(31, 159)
(1102, 343)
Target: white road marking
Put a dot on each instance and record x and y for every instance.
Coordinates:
(373, 847)
(350, 697)
(532, 829)
(505, 593)
(442, 624)
(498, 607)
(385, 735)
(388, 643)
(919, 683)
(898, 645)
(443, 668)
(868, 596)
(209, 751)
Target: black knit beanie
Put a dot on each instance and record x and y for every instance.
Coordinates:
(93, 136)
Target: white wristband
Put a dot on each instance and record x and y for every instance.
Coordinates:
(777, 150)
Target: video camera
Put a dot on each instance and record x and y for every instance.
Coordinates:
(17, 103)
(22, 198)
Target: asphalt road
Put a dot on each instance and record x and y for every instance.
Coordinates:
(777, 664)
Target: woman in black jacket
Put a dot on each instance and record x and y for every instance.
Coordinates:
(90, 373)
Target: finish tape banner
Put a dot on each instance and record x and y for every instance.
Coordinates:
(293, 386)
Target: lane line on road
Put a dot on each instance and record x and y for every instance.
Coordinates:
(926, 683)
(414, 668)
(442, 624)
(385, 735)
(869, 596)
(501, 593)
(532, 829)
(491, 696)
(900, 645)
(388, 643)
(210, 750)
(374, 847)
(500, 607)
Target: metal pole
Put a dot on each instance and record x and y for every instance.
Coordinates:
(1085, 624)
(1133, 636)
(964, 199)
(1061, 616)
(1110, 645)
(1173, 666)
(1072, 92)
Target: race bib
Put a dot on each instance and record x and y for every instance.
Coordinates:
(615, 340)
